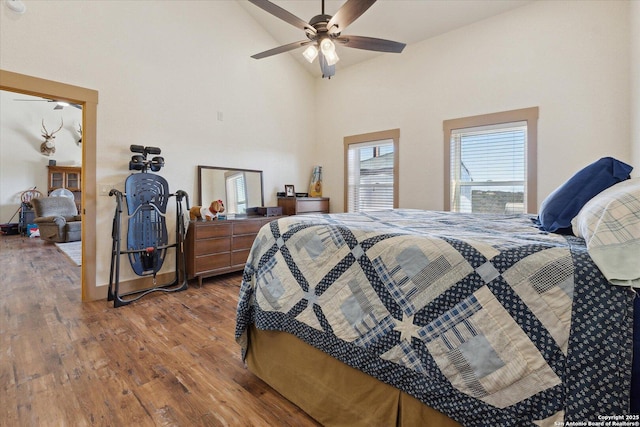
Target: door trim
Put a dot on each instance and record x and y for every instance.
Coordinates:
(88, 98)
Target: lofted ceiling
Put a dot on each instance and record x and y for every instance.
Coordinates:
(406, 21)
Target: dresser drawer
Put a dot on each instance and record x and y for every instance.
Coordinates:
(247, 227)
(239, 257)
(306, 206)
(204, 231)
(301, 205)
(212, 246)
(212, 262)
(243, 242)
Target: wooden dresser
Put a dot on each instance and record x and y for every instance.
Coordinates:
(302, 205)
(220, 246)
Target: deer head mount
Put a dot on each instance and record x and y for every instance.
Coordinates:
(48, 147)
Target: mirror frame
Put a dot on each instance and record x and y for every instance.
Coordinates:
(203, 167)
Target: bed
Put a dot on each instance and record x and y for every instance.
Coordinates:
(409, 317)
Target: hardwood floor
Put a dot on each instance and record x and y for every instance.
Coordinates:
(167, 359)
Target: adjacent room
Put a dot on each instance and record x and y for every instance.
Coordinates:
(305, 159)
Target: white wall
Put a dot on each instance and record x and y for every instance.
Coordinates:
(163, 70)
(571, 59)
(635, 84)
(22, 166)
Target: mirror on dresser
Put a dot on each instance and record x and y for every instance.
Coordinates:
(238, 189)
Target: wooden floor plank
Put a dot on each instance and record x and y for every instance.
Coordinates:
(167, 359)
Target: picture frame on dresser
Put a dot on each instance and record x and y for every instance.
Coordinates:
(289, 191)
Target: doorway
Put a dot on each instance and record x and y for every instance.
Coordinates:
(88, 99)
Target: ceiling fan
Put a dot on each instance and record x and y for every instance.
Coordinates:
(323, 31)
(59, 104)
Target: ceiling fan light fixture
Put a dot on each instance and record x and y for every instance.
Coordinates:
(310, 53)
(332, 58)
(329, 51)
(16, 6)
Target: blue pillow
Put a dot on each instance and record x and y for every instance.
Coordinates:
(564, 203)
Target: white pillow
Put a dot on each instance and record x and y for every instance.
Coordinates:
(610, 224)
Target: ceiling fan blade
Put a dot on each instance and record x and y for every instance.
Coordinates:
(349, 12)
(281, 49)
(35, 100)
(371, 43)
(283, 14)
(327, 70)
(58, 105)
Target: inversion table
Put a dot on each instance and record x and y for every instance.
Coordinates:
(147, 243)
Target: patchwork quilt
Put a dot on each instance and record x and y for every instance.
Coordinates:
(481, 317)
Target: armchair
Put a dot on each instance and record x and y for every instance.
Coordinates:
(57, 219)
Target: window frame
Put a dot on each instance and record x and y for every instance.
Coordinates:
(528, 115)
(392, 134)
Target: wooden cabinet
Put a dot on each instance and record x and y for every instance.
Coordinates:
(302, 205)
(66, 177)
(221, 246)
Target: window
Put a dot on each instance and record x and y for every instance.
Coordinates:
(371, 171)
(490, 162)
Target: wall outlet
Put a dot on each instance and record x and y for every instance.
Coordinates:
(105, 188)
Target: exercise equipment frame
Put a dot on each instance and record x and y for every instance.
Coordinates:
(147, 197)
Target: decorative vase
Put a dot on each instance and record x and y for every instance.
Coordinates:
(315, 188)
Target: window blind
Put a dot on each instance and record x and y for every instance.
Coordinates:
(370, 175)
(236, 193)
(488, 168)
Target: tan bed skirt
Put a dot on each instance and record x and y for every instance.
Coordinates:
(330, 391)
